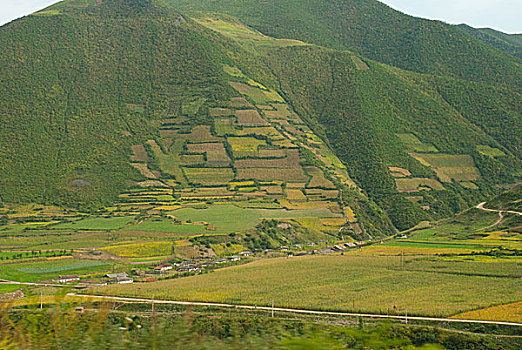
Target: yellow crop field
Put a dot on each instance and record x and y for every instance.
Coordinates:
(138, 250)
(350, 215)
(223, 249)
(349, 283)
(295, 195)
(449, 166)
(144, 170)
(168, 207)
(245, 146)
(387, 250)
(308, 205)
(507, 313)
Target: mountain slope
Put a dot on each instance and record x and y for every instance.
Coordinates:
(131, 102)
(373, 30)
(364, 114)
(509, 43)
(69, 87)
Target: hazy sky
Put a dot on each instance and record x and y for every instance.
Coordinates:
(504, 15)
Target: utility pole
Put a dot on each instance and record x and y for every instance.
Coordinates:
(406, 316)
(41, 300)
(152, 301)
(272, 307)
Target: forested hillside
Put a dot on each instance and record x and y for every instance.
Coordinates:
(133, 101)
(374, 30)
(510, 43)
(71, 87)
(369, 116)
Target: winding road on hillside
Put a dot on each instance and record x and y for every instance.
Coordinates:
(296, 311)
(481, 207)
(500, 214)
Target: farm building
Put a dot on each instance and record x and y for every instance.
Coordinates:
(94, 283)
(119, 278)
(122, 280)
(117, 275)
(245, 253)
(189, 268)
(68, 279)
(163, 268)
(234, 258)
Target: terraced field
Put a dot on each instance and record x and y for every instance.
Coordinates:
(254, 138)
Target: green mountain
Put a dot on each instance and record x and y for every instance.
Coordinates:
(509, 43)
(373, 30)
(349, 109)
(509, 200)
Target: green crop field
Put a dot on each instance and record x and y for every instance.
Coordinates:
(112, 223)
(220, 112)
(433, 245)
(5, 288)
(348, 283)
(139, 154)
(46, 270)
(490, 151)
(224, 127)
(450, 167)
(411, 142)
(229, 218)
(168, 226)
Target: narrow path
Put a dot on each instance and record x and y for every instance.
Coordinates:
(31, 284)
(500, 215)
(481, 207)
(297, 311)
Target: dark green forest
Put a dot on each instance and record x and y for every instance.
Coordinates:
(373, 30)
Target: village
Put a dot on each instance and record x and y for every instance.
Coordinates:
(186, 268)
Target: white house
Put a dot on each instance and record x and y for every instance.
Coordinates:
(68, 279)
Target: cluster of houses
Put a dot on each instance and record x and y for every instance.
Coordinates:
(199, 264)
(335, 249)
(344, 246)
(185, 266)
(195, 265)
(110, 278)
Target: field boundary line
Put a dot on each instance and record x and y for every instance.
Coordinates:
(292, 310)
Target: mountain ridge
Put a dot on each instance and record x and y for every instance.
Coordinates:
(418, 146)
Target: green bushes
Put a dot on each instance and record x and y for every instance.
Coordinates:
(63, 328)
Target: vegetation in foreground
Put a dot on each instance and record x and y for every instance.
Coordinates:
(64, 328)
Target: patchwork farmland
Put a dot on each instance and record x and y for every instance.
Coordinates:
(247, 149)
(223, 180)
